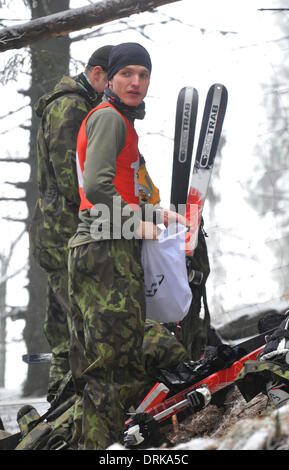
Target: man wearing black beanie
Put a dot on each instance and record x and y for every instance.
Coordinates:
(129, 53)
(105, 271)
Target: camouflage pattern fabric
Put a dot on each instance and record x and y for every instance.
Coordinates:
(270, 373)
(254, 376)
(36, 438)
(54, 433)
(109, 360)
(56, 328)
(160, 349)
(108, 305)
(56, 214)
(55, 217)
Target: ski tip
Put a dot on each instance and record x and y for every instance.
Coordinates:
(189, 90)
(219, 87)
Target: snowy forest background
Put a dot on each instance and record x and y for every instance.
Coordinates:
(192, 43)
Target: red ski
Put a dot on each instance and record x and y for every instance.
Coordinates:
(160, 408)
(215, 382)
(210, 133)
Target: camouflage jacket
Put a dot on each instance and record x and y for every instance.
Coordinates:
(56, 213)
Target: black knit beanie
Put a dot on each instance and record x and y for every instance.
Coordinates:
(128, 53)
(100, 57)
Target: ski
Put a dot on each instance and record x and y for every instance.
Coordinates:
(195, 397)
(156, 395)
(161, 409)
(210, 133)
(215, 382)
(185, 125)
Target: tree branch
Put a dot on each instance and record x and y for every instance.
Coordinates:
(65, 22)
(14, 160)
(15, 111)
(15, 313)
(14, 219)
(273, 9)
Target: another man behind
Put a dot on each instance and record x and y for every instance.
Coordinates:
(56, 213)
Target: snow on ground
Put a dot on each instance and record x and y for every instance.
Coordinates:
(10, 403)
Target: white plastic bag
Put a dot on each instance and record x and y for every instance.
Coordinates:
(168, 294)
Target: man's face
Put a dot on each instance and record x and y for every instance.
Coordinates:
(130, 84)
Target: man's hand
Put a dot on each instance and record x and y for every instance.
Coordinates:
(147, 230)
(169, 217)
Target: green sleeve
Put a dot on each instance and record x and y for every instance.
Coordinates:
(62, 124)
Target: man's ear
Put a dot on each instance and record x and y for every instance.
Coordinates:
(96, 70)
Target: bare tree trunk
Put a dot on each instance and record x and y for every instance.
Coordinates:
(2, 323)
(63, 23)
(49, 61)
